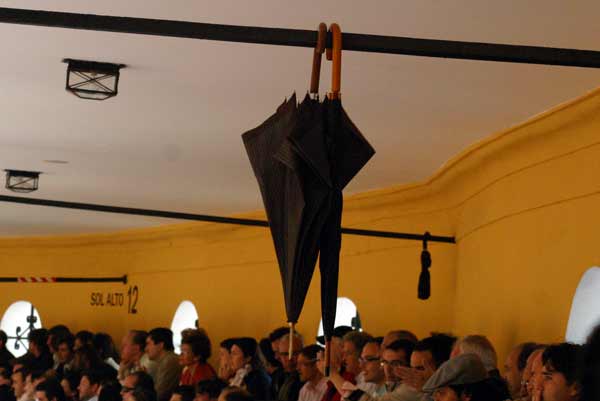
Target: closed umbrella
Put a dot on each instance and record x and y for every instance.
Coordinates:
(303, 156)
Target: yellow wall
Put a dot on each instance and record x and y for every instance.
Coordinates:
(230, 274)
(528, 226)
(523, 206)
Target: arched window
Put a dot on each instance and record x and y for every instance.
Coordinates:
(346, 314)
(585, 309)
(19, 319)
(185, 317)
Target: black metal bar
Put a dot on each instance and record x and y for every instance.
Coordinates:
(204, 217)
(388, 234)
(121, 279)
(306, 38)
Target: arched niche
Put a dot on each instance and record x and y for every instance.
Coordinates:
(585, 308)
(346, 315)
(186, 317)
(19, 319)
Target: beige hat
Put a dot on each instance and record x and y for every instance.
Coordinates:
(462, 369)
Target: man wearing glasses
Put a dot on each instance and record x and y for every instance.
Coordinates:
(395, 356)
(372, 369)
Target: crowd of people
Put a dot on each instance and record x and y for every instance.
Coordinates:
(62, 366)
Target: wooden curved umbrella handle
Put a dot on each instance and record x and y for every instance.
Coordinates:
(335, 54)
(316, 67)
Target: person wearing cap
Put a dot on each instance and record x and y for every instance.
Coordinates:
(462, 378)
(249, 373)
(482, 347)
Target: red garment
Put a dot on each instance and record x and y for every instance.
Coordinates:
(193, 374)
(332, 394)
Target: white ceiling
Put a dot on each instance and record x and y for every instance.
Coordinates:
(171, 139)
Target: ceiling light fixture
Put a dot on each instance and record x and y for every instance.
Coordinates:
(22, 181)
(92, 80)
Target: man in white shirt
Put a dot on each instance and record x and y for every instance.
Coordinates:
(315, 384)
(371, 369)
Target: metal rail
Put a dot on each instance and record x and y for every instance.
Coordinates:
(40, 279)
(306, 38)
(208, 218)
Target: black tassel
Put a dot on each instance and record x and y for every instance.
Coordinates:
(424, 291)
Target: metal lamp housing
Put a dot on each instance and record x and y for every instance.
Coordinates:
(92, 80)
(22, 181)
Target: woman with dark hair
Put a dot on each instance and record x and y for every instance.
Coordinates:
(82, 338)
(225, 370)
(249, 373)
(105, 347)
(69, 383)
(86, 358)
(266, 350)
(195, 351)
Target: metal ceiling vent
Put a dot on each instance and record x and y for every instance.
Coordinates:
(91, 79)
(22, 181)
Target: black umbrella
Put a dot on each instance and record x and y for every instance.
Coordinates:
(303, 156)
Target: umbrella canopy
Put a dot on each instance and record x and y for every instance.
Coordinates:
(303, 156)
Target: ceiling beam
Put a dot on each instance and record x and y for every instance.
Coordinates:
(305, 38)
(208, 218)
